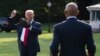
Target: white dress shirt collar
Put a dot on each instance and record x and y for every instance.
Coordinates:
(31, 21)
(71, 17)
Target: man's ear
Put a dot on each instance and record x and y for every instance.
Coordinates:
(65, 13)
(33, 15)
(78, 12)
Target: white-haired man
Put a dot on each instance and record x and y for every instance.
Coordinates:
(72, 35)
(28, 31)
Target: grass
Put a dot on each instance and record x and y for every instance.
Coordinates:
(8, 44)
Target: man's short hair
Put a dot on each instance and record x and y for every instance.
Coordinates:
(69, 4)
(72, 9)
(32, 11)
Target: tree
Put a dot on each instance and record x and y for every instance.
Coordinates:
(41, 9)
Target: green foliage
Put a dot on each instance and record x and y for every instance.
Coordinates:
(7, 5)
(40, 7)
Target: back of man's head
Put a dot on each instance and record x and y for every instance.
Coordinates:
(71, 9)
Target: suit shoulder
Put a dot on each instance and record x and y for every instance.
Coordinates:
(37, 22)
(59, 24)
(82, 21)
(85, 24)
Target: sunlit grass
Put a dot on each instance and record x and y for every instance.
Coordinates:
(9, 47)
(46, 36)
(2, 40)
(8, 44)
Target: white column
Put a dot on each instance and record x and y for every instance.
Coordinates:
(95, 16)
(91, 15)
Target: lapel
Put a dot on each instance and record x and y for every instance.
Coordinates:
(33, 23)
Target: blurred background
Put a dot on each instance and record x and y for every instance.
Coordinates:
(48, 12)
(55, 8)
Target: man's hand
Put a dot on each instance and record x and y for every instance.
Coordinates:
(87, 53)
(24, 23)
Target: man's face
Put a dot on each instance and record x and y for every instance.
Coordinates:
(29, 16)
(13, 14)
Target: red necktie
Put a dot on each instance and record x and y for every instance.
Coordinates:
(26, 35)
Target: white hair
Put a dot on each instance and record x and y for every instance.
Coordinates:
(32, 11)
(71, 4)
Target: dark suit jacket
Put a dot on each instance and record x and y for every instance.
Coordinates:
(32, 41)
(72, 36)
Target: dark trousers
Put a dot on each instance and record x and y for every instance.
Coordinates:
(24, 51)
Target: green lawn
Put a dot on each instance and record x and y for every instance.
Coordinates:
(8, 44)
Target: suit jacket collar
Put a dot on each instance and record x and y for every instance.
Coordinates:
(30, 21)
(33, 22)
(71, 18)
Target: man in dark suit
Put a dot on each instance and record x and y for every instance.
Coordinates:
(28, 31)
(72, 37)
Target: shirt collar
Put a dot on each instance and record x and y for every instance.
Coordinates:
(31, 21)
(71, 17)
